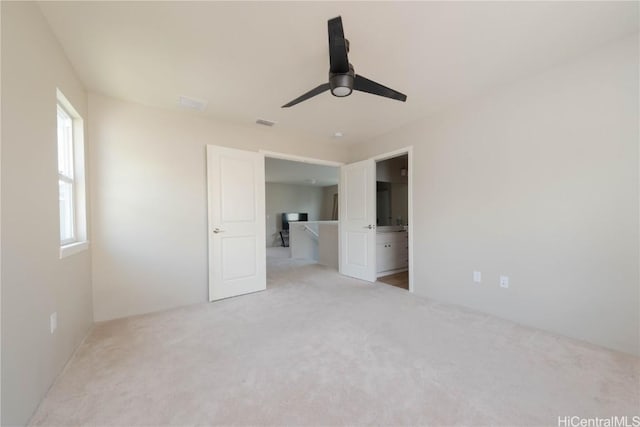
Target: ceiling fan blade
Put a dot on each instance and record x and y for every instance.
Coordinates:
(313, 92)
(338, 60)
(363, 84)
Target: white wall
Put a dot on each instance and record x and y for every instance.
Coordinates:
(149, 200)
(280, 198)
(538, 181)
(35, 281)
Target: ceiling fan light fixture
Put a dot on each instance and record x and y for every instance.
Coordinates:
(341, 84)
(341, 91)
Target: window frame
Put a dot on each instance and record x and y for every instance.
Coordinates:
(74, 175)
(68, 178)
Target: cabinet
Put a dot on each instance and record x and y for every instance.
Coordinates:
(392, 252)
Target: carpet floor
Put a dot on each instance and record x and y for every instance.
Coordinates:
(317, 348)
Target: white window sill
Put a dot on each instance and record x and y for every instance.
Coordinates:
(73, 248)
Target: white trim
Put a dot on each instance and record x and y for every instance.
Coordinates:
(68, 107)
(409, 152)
(284, 156)
(73, 248)
(392, 154)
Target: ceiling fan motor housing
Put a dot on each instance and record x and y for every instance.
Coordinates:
(342, 83)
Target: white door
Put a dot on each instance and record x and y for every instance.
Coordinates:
(237, 242)
(358, 220)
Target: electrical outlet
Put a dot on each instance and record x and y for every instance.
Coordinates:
(477, 276)
(504, 281)
(53, 322)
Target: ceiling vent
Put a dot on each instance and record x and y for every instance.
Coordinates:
(264, 122)
(192, 103)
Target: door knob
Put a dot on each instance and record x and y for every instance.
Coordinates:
(370, 227)
(218, 230)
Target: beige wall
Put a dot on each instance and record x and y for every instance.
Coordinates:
(35, 281)
(538, 181)
(327, 202)
(150, 200)
(280, 198)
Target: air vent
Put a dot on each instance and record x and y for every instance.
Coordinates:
(192, 103)
(264, 122)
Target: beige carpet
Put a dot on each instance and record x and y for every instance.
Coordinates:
(320, 349)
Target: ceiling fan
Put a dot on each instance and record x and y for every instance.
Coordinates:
(342, 78)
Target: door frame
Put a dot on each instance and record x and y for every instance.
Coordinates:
(301, 159)
(389, 155)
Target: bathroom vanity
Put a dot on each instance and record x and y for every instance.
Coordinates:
(392, 250)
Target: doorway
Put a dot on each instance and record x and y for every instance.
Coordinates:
(360, 255)
(392, 221)
(301, 213)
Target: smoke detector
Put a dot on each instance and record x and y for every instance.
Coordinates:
(265, 122)
(192, 103)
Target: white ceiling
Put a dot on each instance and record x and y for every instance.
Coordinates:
(289, 172)
(249, 58)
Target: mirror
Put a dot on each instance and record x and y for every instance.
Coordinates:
(383, 203)
(391, 203)
(392, 191)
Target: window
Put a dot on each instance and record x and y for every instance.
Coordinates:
(73, 236)
(65, 177)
